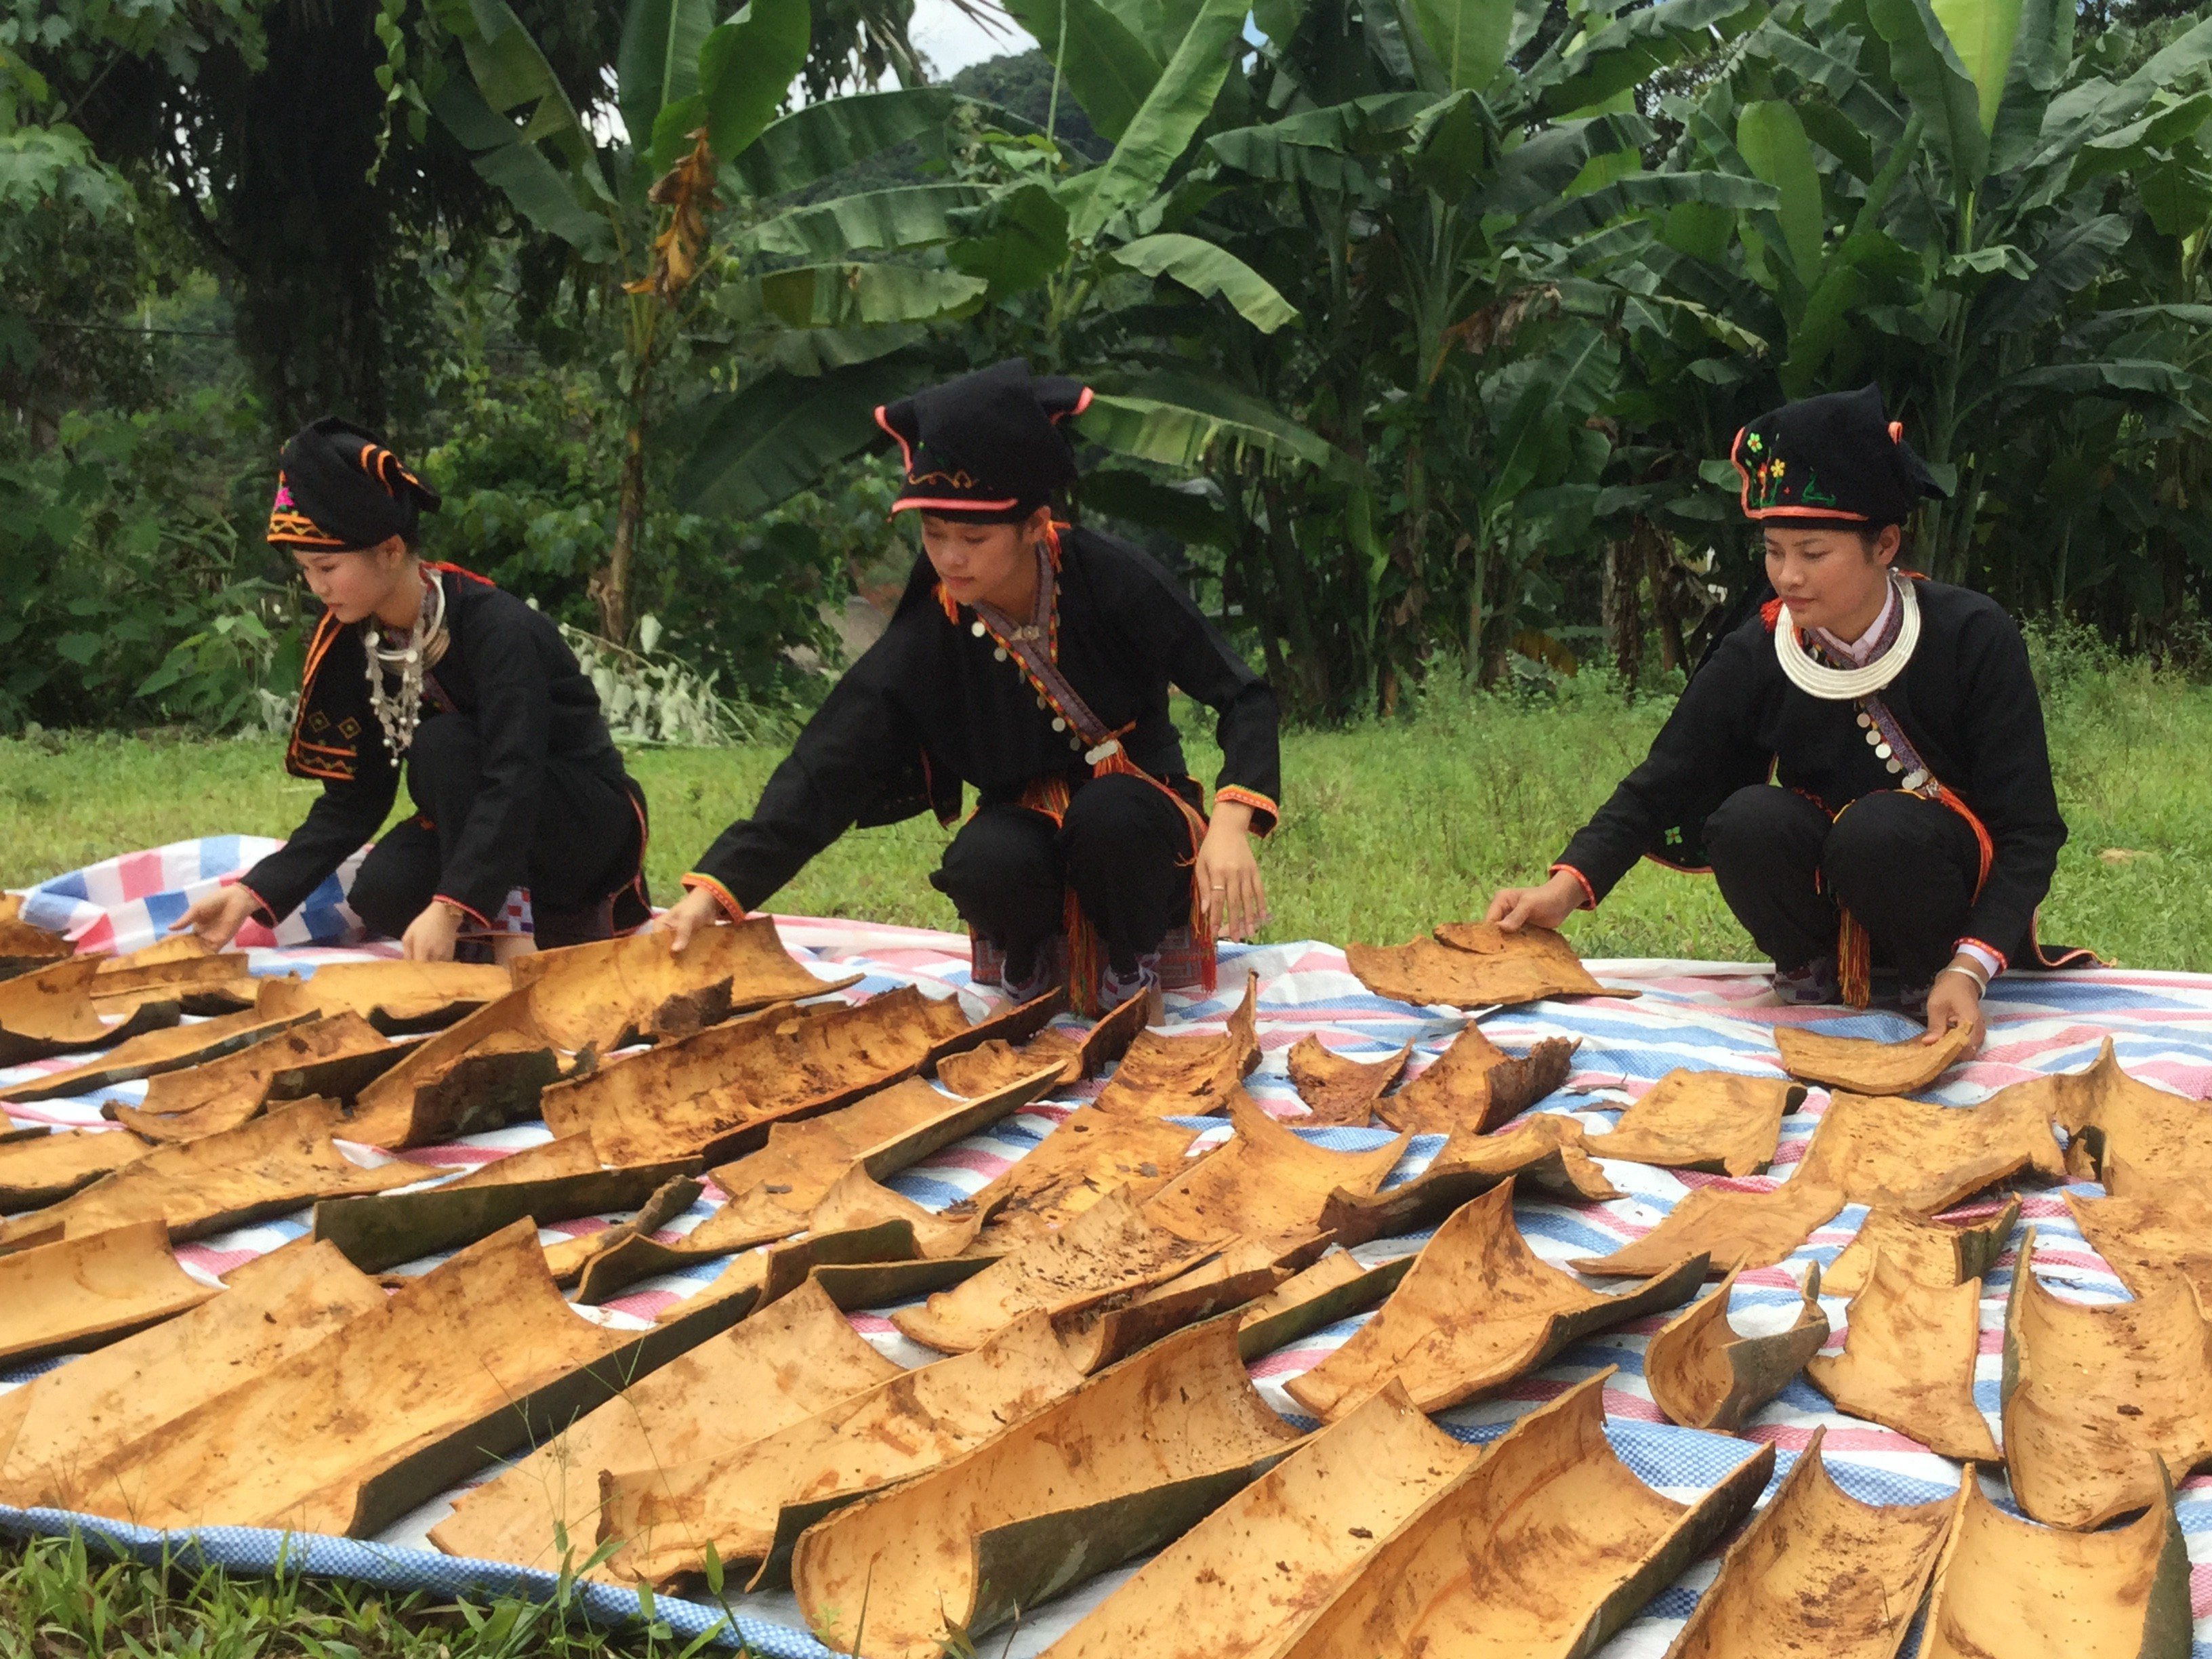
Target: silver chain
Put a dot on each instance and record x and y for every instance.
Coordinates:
(399, 713)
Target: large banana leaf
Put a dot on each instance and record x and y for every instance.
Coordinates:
(658, 63)
(1162, 129)
(1937, 85)
(1185, 513)
(747, 67)
(1182, 422)
(2135, 379)
(554, 201)
(1863, 103)
(1466, 36)
(1630, 50)
(917, 216)
(1579, 216)
(817, 140)
(1015, 241)
(1207, 270)
(1535, 174)
(851, 295)
(2064, 265)
(1983, 33)
(812, 351)
(1265, 155)
(1772, 140)
(1108, 68)
(2044, 50)
(767, 442)
(1370, 124)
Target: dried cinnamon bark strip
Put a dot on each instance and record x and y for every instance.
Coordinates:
(1818, 1573)
(1933, 1252)
(50, 1010)
(1730, 1228)
(993, 1065)
(1867, 1067)
(1545, 1148)
(1338, 1091)
(335, 1057)
(1704, 1376)
(1335, 1287)
(1266, 1181)
(398, 998)
(1475, 1086)
(169, 1050)
(25, 947)
(2153, 1230)
(1916, 1155)
(1170, 1075)
(484, 1071)
(1716, 1122)
(2122, 1130)
(42, 1169)
(1473, 965)
(79, 1293)
(1908, 1363)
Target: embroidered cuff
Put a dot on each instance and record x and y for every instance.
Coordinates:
(723, 896)
(1590, 893)
(1991, 960)
(468, 910)
(1265, 815)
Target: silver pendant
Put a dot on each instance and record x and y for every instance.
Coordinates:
(977, 628)
(1882, 749)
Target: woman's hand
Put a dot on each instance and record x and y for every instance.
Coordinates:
(430, 936)
(217, 917)
(1515, 908)
(697, 908)
(1956, 999)
(1229, 894)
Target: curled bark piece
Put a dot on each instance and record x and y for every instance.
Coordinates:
(859, 1200)
(1704, 1376)
(184, 970)
(1340, 1090)
(274, 1307)
(2120, 1128)
(1335, 1287)
(1819, 1575)
(607, 995)
(2012, 1588)
(2090, 1392)
(1109, 1250)
(1916, 1155)
(568, 1261)
(1867, 1067)
(395, 997)
(1472, 964)
(1098, 1150)
(1716, 1122)
(24, 947)
(377, 1232)
(1126, 1462)
(1241, 1277)
(168, 1050)
(392, 1406)
(1475, 1311)
(51, 1012)
(1543, 1549)
(2157, 1229)
(777, 1368)
(485, 1071)
(1475, 1086)
(86, 1292)
(1545, 1148)
(1730, 1229)
(989, 1066)
(1265, 1181)
(1233, 1586)
(1168, 1076)
(273, 1166)
(775, 1190)
(715, 1094)
(563, 1155)
(1908, 1363)
(43, 1169)
(335, 1057)
(1933, 1252)
(742, 1502)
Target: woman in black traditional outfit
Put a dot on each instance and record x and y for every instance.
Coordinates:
(1916, 823)
(1032, 661)
(515, 781)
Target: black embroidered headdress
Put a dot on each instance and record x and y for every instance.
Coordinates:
(338, 488)
(988, 448)
(1836, 461)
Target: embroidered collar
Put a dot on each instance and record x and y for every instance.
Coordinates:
(1816, 678)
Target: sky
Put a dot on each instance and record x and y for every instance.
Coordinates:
(951, 42)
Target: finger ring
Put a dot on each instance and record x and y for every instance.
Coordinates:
(1220, 886)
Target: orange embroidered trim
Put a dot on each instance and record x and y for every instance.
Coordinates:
(1590, 893)
(723, 896)
(1256, 801)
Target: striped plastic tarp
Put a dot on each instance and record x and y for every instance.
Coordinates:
(1706, 1016)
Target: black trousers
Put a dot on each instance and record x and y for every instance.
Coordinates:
(1903, 867)
(586, 842)
(1124, 848)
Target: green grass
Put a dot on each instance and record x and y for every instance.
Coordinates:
(1391, 827)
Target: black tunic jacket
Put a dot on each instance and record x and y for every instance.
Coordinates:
(928, 708)
(508, 669)
(1966, 700)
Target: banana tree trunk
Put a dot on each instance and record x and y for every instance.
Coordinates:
(1310, 676)
(609, 584)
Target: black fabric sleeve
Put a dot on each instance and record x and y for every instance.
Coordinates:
(514, 720)
(1704, 750)
(833, 773)
(343, 816)
(2008, 780)
(1199, 660)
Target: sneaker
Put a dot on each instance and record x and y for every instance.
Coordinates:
(1114, 990)
(1810, 986)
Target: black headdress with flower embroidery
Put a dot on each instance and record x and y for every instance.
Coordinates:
(988, 447)
(338, 489)
(1836, 461)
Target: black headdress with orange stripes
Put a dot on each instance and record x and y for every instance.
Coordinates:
(339, 489)
(1832, 462)
(988, 448)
